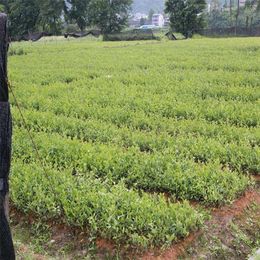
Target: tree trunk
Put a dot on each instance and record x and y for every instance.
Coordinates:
(6, 243)
(230, 12)
(55, 26)
(237, 14)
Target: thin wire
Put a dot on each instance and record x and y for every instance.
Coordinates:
(58, 201)
(36, 150)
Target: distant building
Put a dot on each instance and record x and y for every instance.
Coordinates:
(139, 16)
(157, 20)
(134, 23)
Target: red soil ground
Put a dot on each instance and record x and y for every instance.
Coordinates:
(220, 215)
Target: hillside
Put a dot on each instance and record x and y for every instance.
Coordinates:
(143, 6)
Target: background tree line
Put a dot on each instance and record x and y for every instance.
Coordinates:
(112, 15)
(143, 6)
(51, 15)
(186, 15)
(232, 14)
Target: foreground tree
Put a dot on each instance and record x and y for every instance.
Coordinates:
(185, 15)
(109, 15)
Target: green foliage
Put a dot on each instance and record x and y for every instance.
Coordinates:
(185, 15)
(70, 28)
(150, 14)
(215, 4)
(111, 211)
(2, 8)
(79, 13)
(30, 15)
(219, 19)
(118, 134)
(17, 52)
(249, 4)
(50, 13)
(109, 16)
(22, 15)
(142, 21)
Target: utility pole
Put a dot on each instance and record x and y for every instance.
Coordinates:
(6, 243)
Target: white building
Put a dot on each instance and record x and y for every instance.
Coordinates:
(157, 20)
(140, 16)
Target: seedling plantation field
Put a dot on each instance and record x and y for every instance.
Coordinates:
(132, 134)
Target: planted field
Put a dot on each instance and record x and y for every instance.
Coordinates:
(131, 133)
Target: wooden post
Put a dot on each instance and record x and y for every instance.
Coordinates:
(6, 243)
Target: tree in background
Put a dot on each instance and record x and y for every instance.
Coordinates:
(230, 12)
(50, 14)
(150, 14)
(142, 21)
(215, 4)
(237, 14)
(109, 15)
(225, 4)
(251, 11)
(78, 12)
(221, 19)
(31, 15)
(185, 15)
(217, 19)
(22, 15)
(249, 4)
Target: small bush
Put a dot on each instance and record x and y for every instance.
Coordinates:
(70, 28)
(17, 52)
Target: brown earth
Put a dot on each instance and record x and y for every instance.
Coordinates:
(227, 226)
(220, 217)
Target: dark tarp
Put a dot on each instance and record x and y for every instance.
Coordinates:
(171, 36)
(131, 35)
(226, 32)
(80, 34)
(35, 36)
